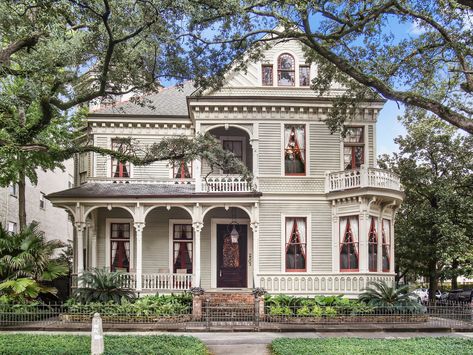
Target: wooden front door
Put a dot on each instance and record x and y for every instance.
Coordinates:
(231, 257)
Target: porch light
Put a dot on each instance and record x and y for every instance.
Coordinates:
(234, 234)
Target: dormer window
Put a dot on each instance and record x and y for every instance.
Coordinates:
(286, 70)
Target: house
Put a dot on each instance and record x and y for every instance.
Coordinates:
(53, 222)
(317, 219)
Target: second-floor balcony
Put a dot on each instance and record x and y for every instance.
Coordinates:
(212, 184)
(362, 178)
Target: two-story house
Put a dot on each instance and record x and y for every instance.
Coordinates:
(317, 219)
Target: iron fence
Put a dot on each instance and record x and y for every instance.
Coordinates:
(248, 316)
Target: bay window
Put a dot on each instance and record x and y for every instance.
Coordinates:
(296, 244)
(349, 243)
(294, 150)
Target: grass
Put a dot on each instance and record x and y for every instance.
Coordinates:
(19, 344)
(355, 346)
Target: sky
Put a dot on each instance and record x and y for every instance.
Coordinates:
(388, 128)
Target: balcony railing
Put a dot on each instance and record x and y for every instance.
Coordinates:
(227, 183)
(153, 282)
(364, 177)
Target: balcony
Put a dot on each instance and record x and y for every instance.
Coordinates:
(362, 178)
(212, 184)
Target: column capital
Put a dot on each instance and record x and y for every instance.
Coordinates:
(80, 226)
(197, 226)
(139, 226)
(254, 227)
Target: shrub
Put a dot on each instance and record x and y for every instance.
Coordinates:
(103, 286)
(279, 311)
(329, 312)
(304, 311)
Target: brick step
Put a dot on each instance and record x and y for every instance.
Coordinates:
(228, 298)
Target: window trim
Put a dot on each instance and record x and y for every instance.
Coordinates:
(354, 144)
(262, 74)
(308, 256)
(305, 65)
(341, 244)
(243, 145)
(386, 244)
(171, 224)
(110, 161)
(108, 249)
(278, 70)
(13, 189)
(42, 200)
(306, 150)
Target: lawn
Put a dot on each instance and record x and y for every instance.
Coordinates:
(352, 346)
(20, 344)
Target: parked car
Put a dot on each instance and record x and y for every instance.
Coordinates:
(422, 293)
(460, 295)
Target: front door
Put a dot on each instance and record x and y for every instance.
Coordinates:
(231, 257)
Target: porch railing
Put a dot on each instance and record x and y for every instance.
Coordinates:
(153, 282)
(226, 184)
(364, 177)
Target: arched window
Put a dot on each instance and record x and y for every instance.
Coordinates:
(286, 70)
(373, 246)
(386, 232)
(349, 243)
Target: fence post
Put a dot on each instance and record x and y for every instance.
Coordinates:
(207, 314)
(257, 310)
(96, 346)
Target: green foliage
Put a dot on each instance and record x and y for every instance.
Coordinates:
(279, 311)
(159, 305)
(342, 346)
(387, 298)
(19, 291)
(117, 345)
(100, 285)
(434, 224)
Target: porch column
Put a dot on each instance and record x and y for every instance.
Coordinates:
(254, 141)
(197, 174)
(255, 228)
(197, 229)
(139, 226)
(363, 241)
(93, 239)
(80, 231)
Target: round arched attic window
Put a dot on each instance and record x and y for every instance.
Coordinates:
(286, 70)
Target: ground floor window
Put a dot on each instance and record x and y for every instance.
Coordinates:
(120, 246)
(373, 246)
(296, 244)
(349, 243)
(183, 244)
(386, 244)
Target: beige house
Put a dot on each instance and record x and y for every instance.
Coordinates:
(317, 219)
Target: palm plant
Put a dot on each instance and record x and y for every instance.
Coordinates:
(100, 285)
(388, 298)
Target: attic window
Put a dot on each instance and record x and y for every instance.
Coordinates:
(304, 75)
(267, 70)
(286, 70)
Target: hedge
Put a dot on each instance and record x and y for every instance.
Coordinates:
(117, 345)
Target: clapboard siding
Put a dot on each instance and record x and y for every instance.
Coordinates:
(324, 150)
(272, 238)
(270, 154)
(101, 165)
(371, 147)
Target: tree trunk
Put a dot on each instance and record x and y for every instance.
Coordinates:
(22, 201)
(433, 280)
(454, 274)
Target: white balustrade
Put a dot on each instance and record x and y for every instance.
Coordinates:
(364, 177)
(157, 181)
(226, 184)
(171, 282)
(301, 283)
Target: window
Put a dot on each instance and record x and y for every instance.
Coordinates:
(294, 150)
(236, 145)
(12, 227)
(182, 170)
(386, 244)
(349, 243)
(120, 247)
(353, 148)
(286, 70)
(182, 248)
(120, 169)
(373, 246)
(267, 71)
(296, 244)
(42, 201)
(13, 189)
(304, 75)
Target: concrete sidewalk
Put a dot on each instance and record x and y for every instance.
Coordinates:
(256, 343)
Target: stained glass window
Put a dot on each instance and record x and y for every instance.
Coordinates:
(286, 70)
(183, 248)
(267, 71)
(304, 75)
(296, 244)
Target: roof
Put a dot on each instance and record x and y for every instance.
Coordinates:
(110, 190)
(170, 101)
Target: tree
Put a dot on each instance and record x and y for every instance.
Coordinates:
(365, 46)
(434, 226)
(58, 55)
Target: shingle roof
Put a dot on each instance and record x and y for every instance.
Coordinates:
(168, 102)
(107, 190)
